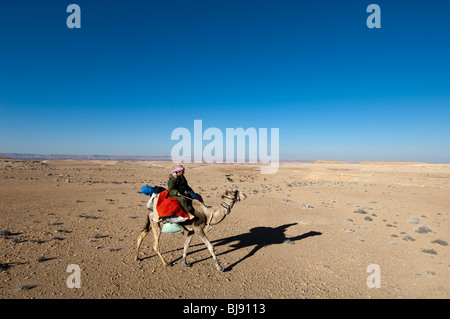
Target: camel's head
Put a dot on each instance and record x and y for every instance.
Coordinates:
(234, 195)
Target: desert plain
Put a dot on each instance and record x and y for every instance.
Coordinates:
(312, 230)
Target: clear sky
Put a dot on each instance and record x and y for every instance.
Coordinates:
(137, 70)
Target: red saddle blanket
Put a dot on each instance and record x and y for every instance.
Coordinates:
(168, 206)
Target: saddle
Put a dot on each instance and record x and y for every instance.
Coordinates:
(167, 206)
(168, 209)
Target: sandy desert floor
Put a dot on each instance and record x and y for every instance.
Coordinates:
(309, 231)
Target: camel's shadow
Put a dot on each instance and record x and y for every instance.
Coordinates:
(259, 237)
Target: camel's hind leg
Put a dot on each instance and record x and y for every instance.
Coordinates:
(186, 246)
(141, 237)
(156, 234)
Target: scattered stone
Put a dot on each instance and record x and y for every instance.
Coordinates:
(25, 287)
(5, 233)
(360, 211)
(429, 251)
(305, 206)
(422, 229)
(64, 231)
(440, 242)
(4, 267)
(83, 215)
(97, 235)
(54, 223)
(229, 178)
(42, 259)
(36, 241)
(413, 220)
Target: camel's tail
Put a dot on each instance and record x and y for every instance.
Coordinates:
(141, 237)
(147, 224)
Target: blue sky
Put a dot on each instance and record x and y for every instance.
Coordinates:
(137, 70)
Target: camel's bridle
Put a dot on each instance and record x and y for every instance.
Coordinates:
(224, 205)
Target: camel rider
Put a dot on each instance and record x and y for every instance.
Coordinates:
(178, 187)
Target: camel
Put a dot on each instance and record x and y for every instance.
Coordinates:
(205, 216)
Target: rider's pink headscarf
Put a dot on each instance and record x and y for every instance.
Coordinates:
(178, 168)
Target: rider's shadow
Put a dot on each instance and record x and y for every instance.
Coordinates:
(259, 237)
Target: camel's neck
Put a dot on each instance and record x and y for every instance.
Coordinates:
(220, 213)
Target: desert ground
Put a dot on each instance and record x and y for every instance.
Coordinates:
(312, 230)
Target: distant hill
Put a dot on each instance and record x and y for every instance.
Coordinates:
(369, 163)
(331, 162)
(83, 157)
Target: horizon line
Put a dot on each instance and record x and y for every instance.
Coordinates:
(36, 156)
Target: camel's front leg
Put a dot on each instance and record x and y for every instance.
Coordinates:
(211, 250)
(186, 246)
